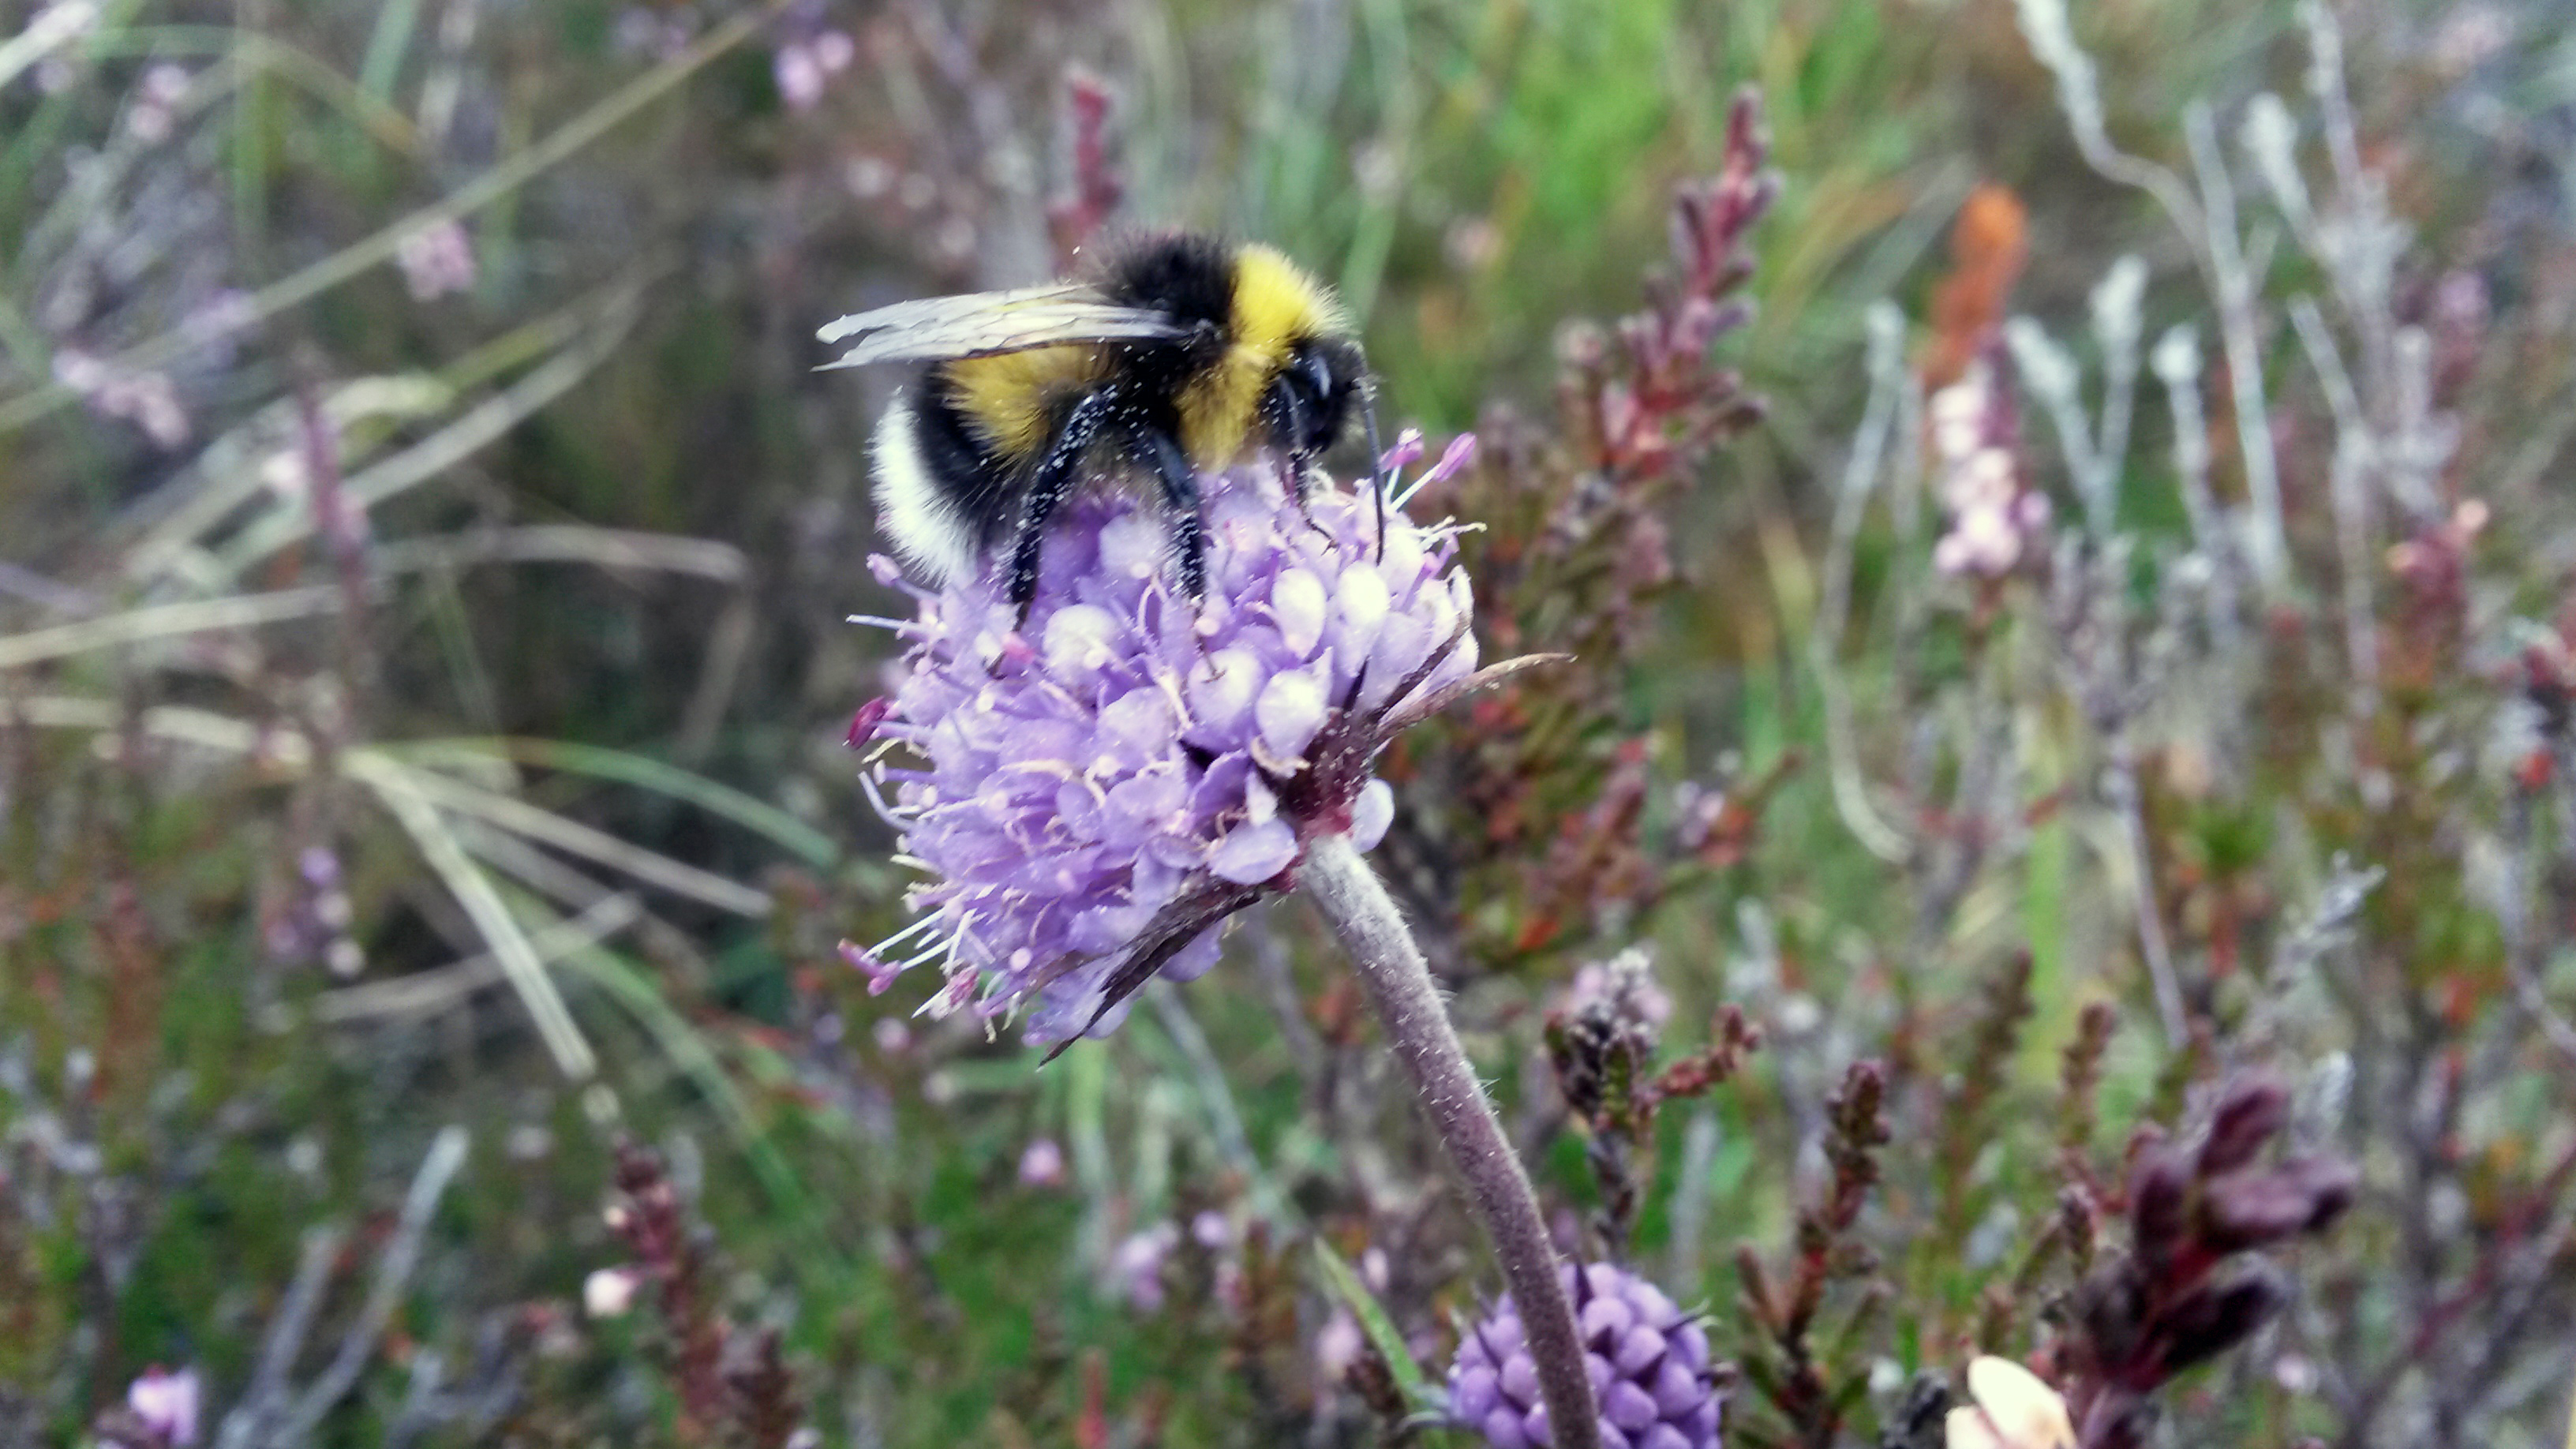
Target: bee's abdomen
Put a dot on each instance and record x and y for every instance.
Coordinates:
(976, 475)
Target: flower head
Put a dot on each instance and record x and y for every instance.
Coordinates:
(1094, 790)
(166, 1403)
(2013, 1410)
(1648, 1361)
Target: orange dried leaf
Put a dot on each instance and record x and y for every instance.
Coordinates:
(1988, 246)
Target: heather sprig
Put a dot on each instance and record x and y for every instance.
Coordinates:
(733, 1383)
(2182, 1294)
(1793, 1368)
(1601, 1043)
(1548, 781)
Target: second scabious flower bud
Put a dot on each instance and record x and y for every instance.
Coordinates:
(1093, 791)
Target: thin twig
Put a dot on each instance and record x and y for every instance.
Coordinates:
(393, 1274)
(1887, 379)
(284, 1340)
(2120, 783)
(2356, 456)
(2233, 284)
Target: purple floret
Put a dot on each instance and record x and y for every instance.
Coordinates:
(1647, 1359)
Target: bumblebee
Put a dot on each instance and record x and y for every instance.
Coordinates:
(1177, 355)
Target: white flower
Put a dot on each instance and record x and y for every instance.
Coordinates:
(2013, 1410)
(609, 1292)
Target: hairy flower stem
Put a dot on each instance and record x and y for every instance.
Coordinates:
(1408, 1006)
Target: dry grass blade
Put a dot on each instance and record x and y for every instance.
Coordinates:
(221, 480)
(481, 425)
(427, 993)
(392, 784)
(536, 823)
(162, 621)
(473, 891)
(606, 548)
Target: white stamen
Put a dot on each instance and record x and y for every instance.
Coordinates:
(916, 928)
(877, 802)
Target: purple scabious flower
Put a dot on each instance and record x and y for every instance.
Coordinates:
(1648, 1361)
(1093, 792)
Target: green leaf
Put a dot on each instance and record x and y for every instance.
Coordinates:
(1346, 1285)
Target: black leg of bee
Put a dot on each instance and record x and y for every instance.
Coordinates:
(1048, 487)
(1377, 455)
(1290, 424)
(1156, 450)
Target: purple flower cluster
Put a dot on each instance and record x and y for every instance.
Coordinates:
(1996, 518)
(1092, 792)
(1648, 1361)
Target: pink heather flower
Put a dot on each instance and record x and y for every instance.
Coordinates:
(1210, 1230)
(436, 260)
(1995, 517)
(1136, 1266)
(155, 106)
(1338, 1346)
(1648, 1361)
(145, 399)
(1093, 793)
(166, 1403)
(1622, 989)
(805, 66)
(1042, 1164)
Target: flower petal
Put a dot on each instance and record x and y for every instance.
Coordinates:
(1298, 603)
(1371, 814)
(1290, 713)
(1254, 853)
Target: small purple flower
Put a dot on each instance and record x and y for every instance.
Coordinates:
(1136, 1266)
(1996, 517)
(166, 1403)
(436, 260)
(1648, 1361)
(804, 66)
(1042, 1164)
(1338, 1346)
(1095, 791)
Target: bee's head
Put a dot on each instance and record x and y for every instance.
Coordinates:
(1310, 400)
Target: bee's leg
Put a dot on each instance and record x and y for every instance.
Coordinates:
(1304, 470)
(1377, 457)
(1049, 486)
(1283, 409)
(1156, 450)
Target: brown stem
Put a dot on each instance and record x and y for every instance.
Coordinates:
(1409, 1009)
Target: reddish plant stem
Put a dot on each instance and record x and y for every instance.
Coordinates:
(1409, 1009)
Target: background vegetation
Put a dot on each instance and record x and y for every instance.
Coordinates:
(424, 553)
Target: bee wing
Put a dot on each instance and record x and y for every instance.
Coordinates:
(980, 324)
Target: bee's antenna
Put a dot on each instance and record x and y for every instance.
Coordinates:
(1377, 457)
